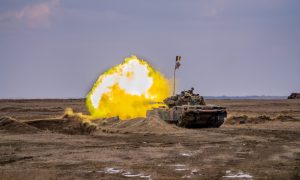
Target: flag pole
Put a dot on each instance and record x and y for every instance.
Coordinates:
(177, 65)
(174, 81)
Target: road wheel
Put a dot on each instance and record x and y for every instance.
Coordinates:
(181, 122)
(217, 122)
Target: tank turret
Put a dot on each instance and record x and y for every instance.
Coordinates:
(184, 98)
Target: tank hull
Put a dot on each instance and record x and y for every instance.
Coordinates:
(191, 116)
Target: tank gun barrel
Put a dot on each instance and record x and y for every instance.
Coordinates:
(155, 102)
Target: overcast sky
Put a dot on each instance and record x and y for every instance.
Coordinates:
(58, 48)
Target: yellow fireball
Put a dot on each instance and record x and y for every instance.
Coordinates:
(127, 90)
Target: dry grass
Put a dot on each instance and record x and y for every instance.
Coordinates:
(26, 175)
(244, 119)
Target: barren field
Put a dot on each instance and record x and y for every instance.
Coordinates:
(259, 140)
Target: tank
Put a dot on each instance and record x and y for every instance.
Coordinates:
(294, 96)
(189, 110)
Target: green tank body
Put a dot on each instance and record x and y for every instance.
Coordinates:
(189, 110)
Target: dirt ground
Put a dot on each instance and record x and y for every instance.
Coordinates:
(249, 148)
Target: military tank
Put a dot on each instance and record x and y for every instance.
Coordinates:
(189, 110)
